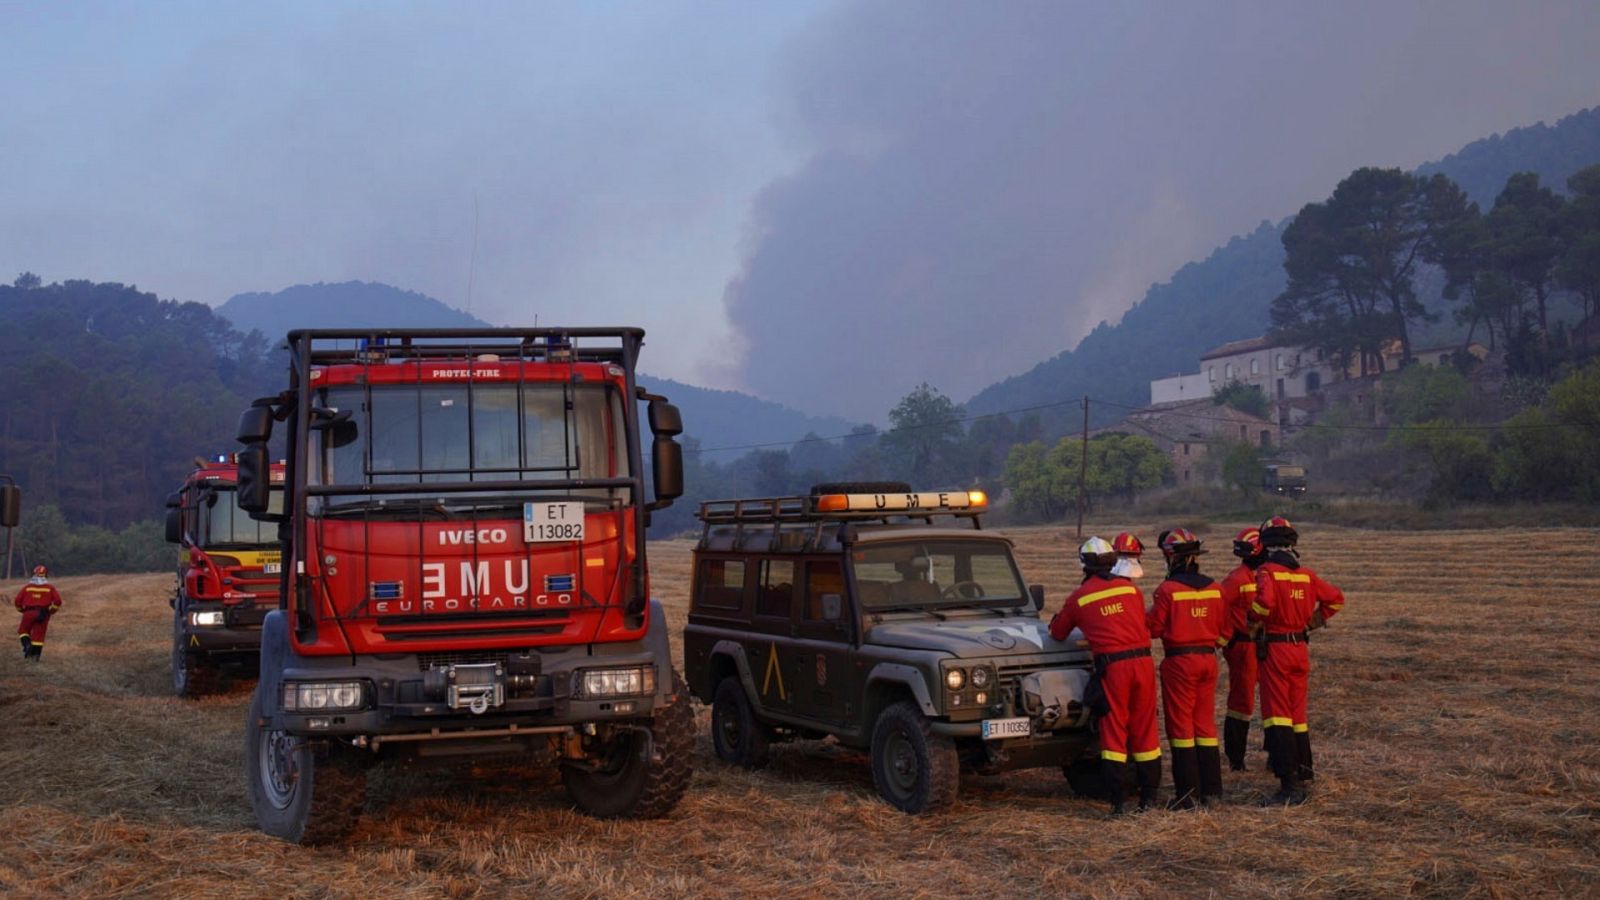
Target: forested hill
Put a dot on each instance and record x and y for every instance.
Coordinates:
(110, 392)
(348, 304)
(730, 419)
(1227, 297)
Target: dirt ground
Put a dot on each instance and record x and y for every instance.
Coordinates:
(1453, 705)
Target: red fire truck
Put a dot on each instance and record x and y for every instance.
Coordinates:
(463, 539)
(228, 572)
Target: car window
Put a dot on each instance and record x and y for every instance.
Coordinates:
(775, 591)
(889, 575)
(721, 584)
(822, 577)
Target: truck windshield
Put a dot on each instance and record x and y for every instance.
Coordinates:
(228, 525)
(453, 433)
(936, 573)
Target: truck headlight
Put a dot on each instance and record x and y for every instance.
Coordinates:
(632, 681)
(306, 696)
(209, 619)
(980, 678)
(955, 679)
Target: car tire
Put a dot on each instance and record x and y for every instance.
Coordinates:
(737, 736)
(298, 797)
(913, 768)
(645, 778)
(192, 674)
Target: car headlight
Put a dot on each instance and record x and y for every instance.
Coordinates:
(980, 678)
(307, 696)
(209, 619)
(955, 679)
(632, 681)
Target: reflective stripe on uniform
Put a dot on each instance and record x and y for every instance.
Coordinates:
(1118, 591)
(1197, 595)
(1247, 588)
(1113, 756)
(1182, 743)
(1301, 727)
(1205, 742)
(1291, 576)
(1260, 610)
(1276, 721)
(1147, 755)
(1243, 717)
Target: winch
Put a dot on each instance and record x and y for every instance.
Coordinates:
(471, 686)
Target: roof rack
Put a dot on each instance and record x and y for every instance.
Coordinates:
(819, 510)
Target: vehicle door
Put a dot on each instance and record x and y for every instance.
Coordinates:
(824, 674)
(770, 644)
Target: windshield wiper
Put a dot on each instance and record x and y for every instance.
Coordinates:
(922, 609)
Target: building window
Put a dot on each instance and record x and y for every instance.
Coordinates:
(1185, 449)
(1280, 362)
(1227, 371)
(1243, 431)
(1313, 382)
(1211, 374)
(1185, 474)
(1255, 366)
(1266, 438)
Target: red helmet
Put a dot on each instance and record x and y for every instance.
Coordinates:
(40, 570)
(1277, 532)
(1178, 543)
(1247, 543)
(1126, 544)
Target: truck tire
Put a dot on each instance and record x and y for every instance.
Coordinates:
(643, 776)
(738, 737)
(914, 769)
(296, 796)
(192, 674)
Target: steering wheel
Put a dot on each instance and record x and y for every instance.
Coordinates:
(967, 590)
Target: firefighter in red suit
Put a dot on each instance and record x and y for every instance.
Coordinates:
(1238, 591)
(1188, 616)
(1291, 601)
(1109, 610)
(37, 601)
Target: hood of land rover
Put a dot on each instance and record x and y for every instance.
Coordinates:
(969, 638)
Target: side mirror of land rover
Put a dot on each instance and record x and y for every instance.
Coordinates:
(255, 479)
(1036, 591)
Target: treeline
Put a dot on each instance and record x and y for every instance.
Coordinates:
(111, 391)
(1360, 264)
(45, 538)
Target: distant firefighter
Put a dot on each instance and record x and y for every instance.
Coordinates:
(37, 601)
(1291, 601)
(1188, 616)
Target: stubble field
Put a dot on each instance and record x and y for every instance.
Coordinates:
(1453, 705)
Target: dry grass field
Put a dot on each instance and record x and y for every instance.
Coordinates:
(1454, 705)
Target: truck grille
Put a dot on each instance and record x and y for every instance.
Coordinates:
(426, 661)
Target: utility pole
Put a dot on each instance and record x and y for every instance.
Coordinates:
(10, 513)
(1083, 467)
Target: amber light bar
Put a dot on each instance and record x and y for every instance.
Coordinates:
(907, 503)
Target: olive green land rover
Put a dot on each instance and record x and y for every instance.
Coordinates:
(891, 621)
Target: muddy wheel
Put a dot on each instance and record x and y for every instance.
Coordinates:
(914, 769)
(296, 796)
(735, 733)
(643, 774)
(192, 674)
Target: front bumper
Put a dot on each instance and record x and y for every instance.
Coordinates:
(240, 631)
(400, 702)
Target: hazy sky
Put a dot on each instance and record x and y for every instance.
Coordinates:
(823, 203)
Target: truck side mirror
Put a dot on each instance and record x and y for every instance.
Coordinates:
(1036, 591)
(666, 469)
(10, 505)
(174, 526)
(665, 420)
(255, 424)
(254, 479)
